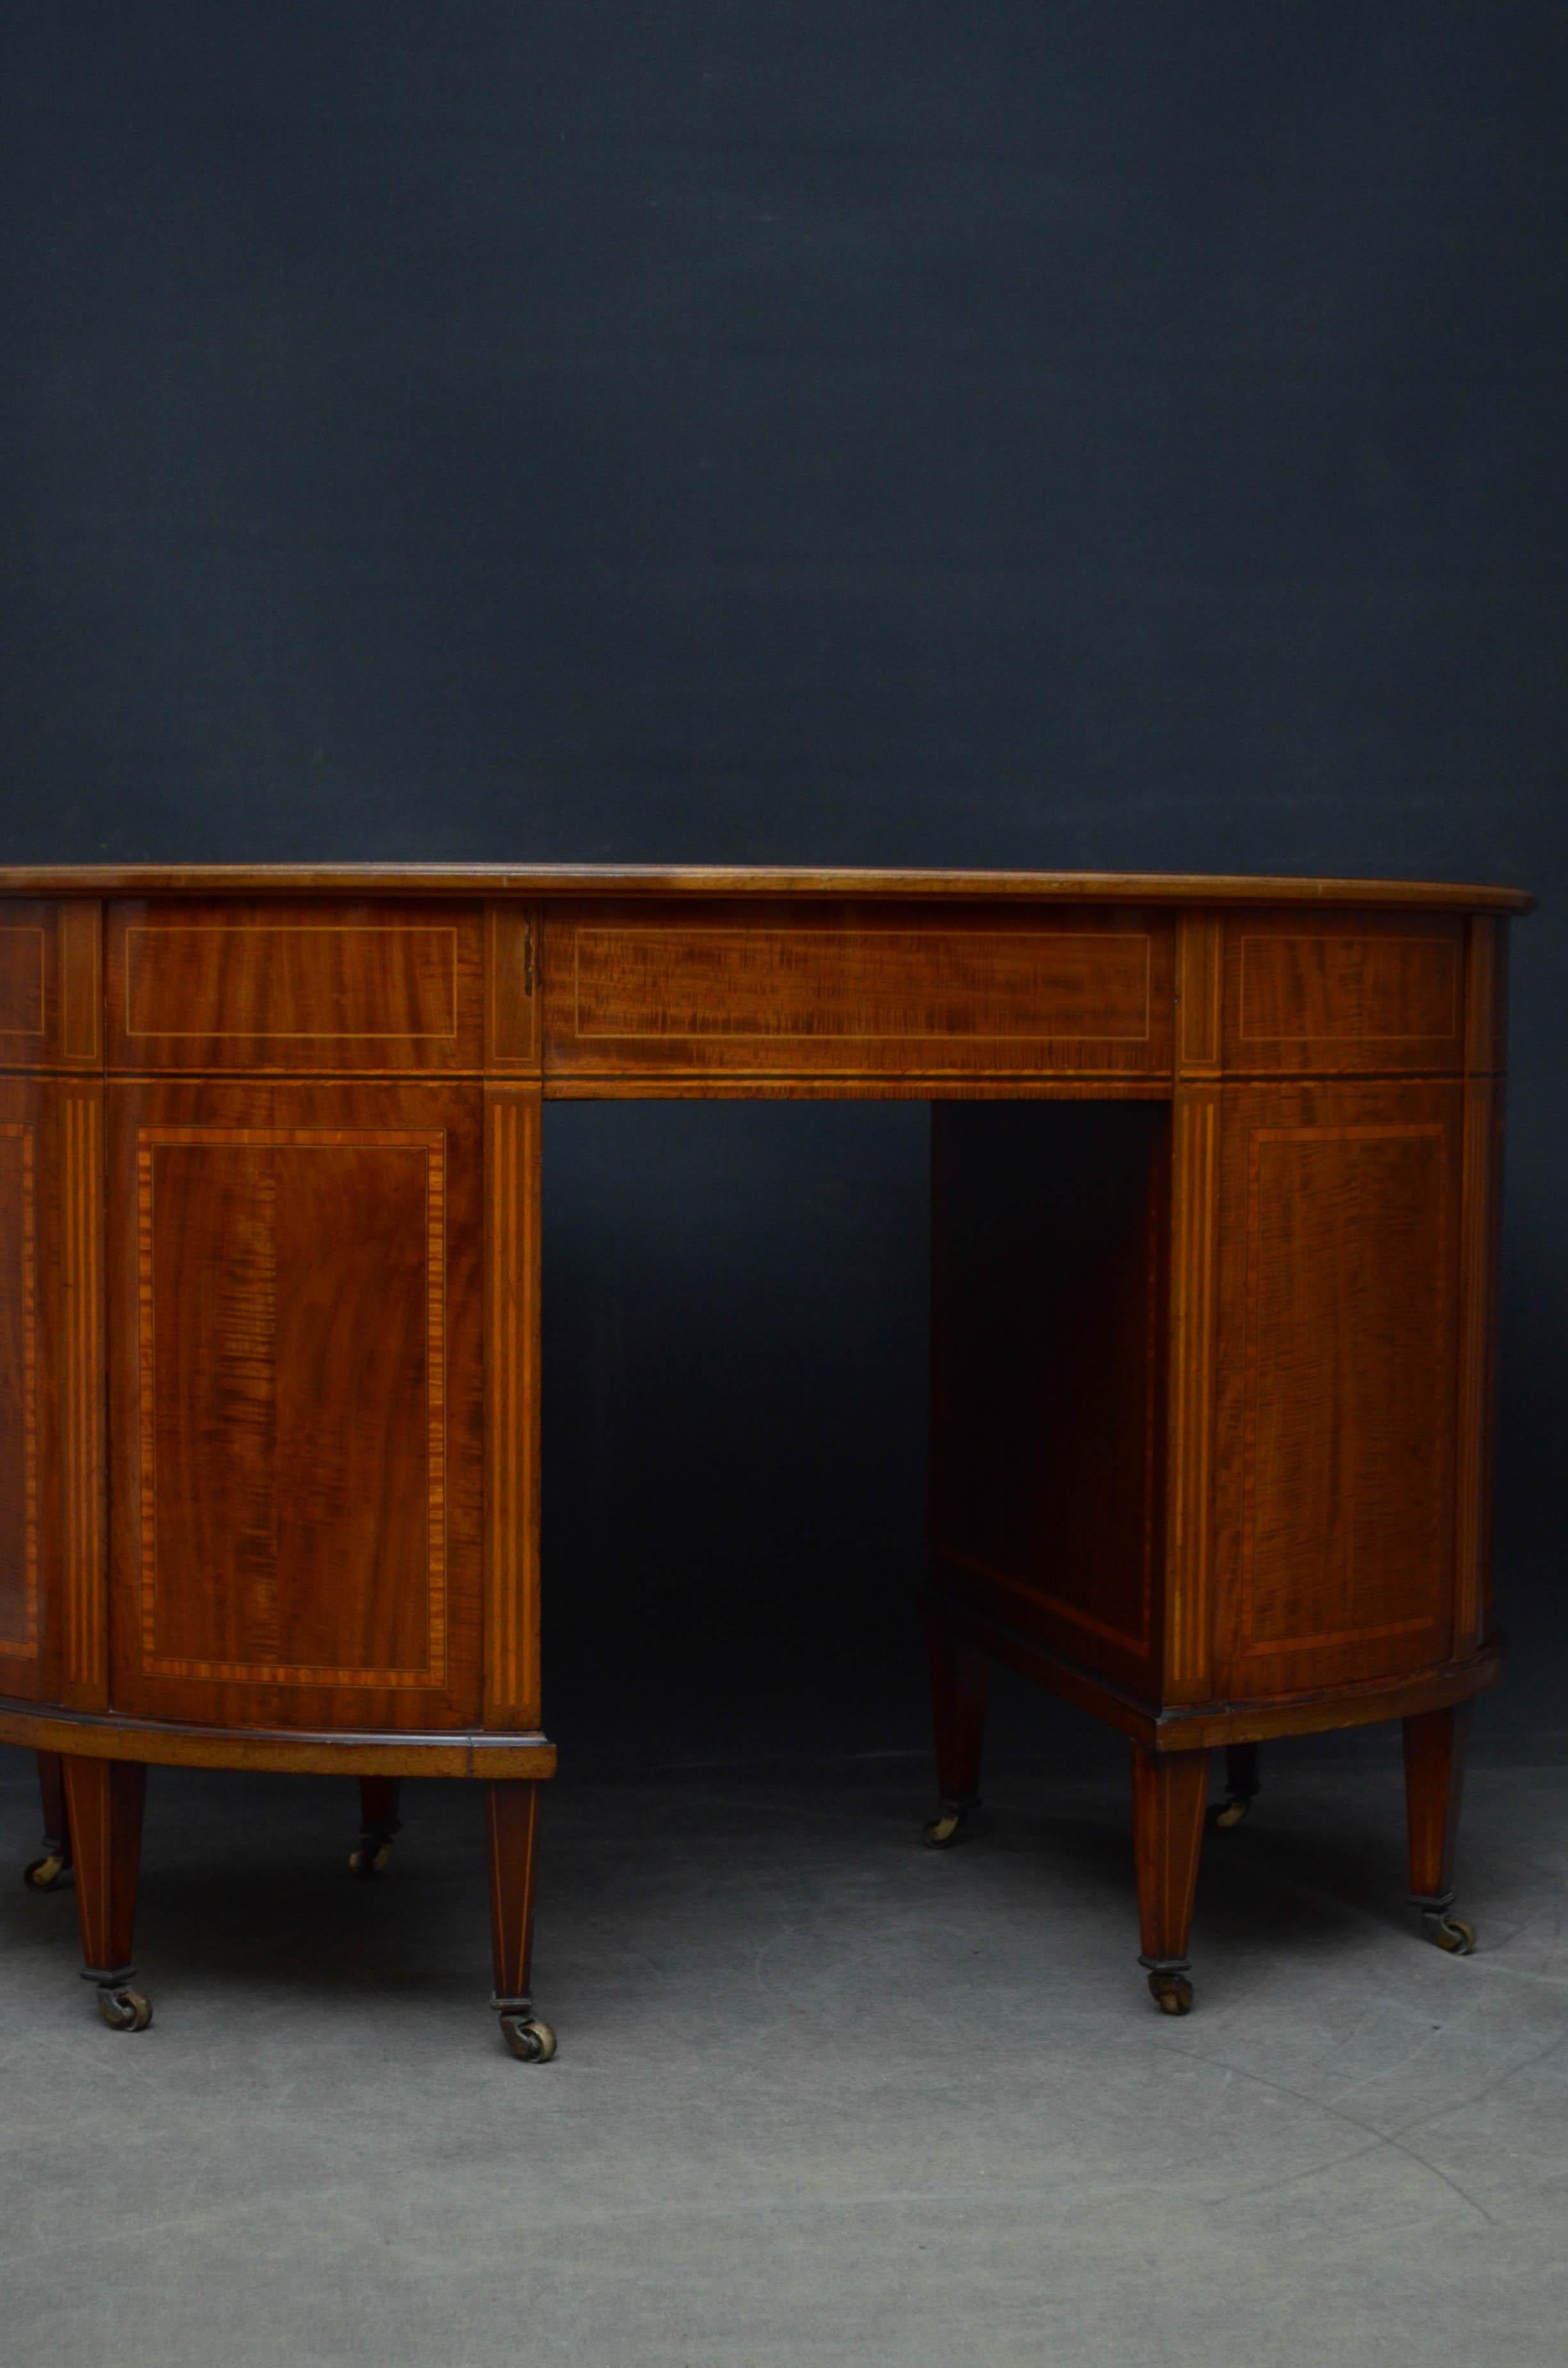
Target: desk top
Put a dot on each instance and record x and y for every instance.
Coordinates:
(577, 880)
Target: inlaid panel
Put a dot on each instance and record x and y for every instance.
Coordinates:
(291, 988)
(50, 991)
(19, 1475)
(512, 1405)
(705, 992)
(299, 1400)
(1190, 1370)
(23, 945)
(1338, 1327)
(81, 1367)
(45, 1299)
(1345, 992)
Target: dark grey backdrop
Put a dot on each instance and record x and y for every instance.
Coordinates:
(1100, 434)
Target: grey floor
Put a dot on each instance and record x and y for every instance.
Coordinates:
(823, 2096)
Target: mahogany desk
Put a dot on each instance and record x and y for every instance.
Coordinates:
(1215, 1192)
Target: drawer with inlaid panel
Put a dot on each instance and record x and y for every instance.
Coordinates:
(1340, 993)
(287, 987)
(51, 989)
(705, 994)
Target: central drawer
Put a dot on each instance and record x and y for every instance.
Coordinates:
(700, 992)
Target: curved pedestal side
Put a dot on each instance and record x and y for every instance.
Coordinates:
(1171, 1756)
(162, 1743)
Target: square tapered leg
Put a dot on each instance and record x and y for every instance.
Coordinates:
(1434, 1787)
(959, 1686)
(513, 1805)
(1170, 1793)
(380, 1824)
(54, 1864)
(104, 1803)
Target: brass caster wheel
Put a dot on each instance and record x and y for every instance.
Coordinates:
(125, 2010)
(370, 1859)
(1172, 1993)
(46, 1873)
(1454, 1933)
(1226, 1815)
(530, 2041)
(947, 1826)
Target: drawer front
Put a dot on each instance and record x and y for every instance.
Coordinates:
(674, 992)
(293, 987)
(52, 1424)
(1344, 992)
(50, 991)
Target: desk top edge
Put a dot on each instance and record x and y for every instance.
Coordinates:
(572, 879)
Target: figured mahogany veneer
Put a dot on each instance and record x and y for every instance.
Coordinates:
(1215, 1203)
(1334, 1540)
(51, 989)
(919, 995)
(1318, 994)
(21, 1594)
(297, 1403)
(288, 987)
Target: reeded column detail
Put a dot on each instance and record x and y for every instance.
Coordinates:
(82, 1395)
(511, 1397)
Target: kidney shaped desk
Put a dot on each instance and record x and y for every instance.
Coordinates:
(1214, 1212)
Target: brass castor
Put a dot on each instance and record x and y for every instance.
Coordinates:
(1228, 1813)
(1454, 1933)
(1171, 1992)
(369, 1857)
(125, 2010)
(530, 2041)
(947, 1826)
(45, 1873)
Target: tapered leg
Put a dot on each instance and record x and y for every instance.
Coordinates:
(104, 1800)
(1434, 1783)
(378, 1824)
(45, 1872)
(513, 1805)
(959, 1681)
(1241, 1787)
(1169, 1795)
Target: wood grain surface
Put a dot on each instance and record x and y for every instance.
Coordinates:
(773, 991)
(20, 1292)
(298, 1393)
(512, 997)
(51, 987)
(511, 1258)
(1434, 1792)
(705, 880)
(51, 1313)
(1334, 1536)
(293, 987)
(83, 1462)
(301, 1751)
(1321, 994)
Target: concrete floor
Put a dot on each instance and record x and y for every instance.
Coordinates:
(823, 2096)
